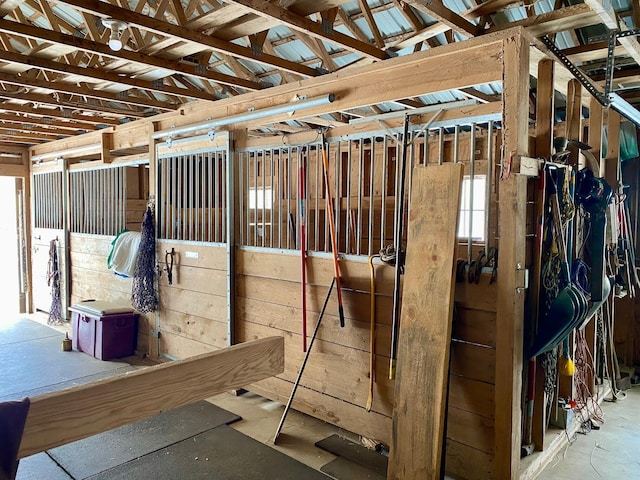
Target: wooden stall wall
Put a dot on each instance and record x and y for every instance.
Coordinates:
(335, 383)
(91, 279)
(193, 309)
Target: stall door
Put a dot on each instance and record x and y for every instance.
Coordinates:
(48, 242)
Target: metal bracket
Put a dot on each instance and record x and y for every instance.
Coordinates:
(575, 71)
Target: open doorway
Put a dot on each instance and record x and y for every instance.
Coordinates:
(10, 278)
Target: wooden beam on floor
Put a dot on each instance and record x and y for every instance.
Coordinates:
(62, 417)
(422, 376)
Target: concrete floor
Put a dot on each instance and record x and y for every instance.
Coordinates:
(613, 452)
(608, 453)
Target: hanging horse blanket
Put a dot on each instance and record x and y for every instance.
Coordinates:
(124, 253)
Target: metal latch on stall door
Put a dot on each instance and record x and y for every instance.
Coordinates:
(153, 333)
(520, 267)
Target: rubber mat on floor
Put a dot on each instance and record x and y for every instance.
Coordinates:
(219, 453)
(101, 452)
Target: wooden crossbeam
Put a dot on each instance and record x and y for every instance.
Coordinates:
(309, 27)
(47, 122)
(169, 30)
(68, 415)
(95, 47)
(437, 10)
(608, 16)
(101, 75)
(56, 113)
(561, 20)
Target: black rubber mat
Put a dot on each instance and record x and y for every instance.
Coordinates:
(220, 453)
(343, 469)
(355, 453)
(40, 467)
(96, 454)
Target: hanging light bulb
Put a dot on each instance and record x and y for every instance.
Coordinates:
(116, 27)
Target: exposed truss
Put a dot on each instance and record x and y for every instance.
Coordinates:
(59, 77)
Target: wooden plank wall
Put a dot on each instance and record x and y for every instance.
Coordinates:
(90, 279)
(193, 310)
(335, 384)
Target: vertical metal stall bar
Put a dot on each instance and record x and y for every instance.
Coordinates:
(92, 202)
(385, 178)
(488, 182)
(162, 203)
(247, 180)
(280, 195)
(241, 196)
(226, 163)
(372, 171)
(292, 234)
(197, 195)
(123, 174)
(210, 189)
(180, 235)
(107, 201)
(396, 197)
(440, 146)
(425, 148)
(191, 198)
(348, 226)
(205, 188)
(218, 180)
(316, 216)
(87, 200)
(254, 195)
(360, 187)
(411, 159)
(173, 219)
(109, 223)
(184, 207)
(338, 197)
(472, 172)
(263, 221)
(272, 163)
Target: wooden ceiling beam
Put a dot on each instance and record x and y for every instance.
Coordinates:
(26, 133)
(9, 6)
(31, 127)
(608, 17)
(487, 8)
(56, 113)
(93, 73)
(73, 89)
(87, 106)
(74, 127)
(368, 15)
(104, 50)
(561, 20)
(437, 10)
(309, 27)
(23, 138)
(167, 29)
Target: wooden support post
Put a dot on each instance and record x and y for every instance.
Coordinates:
(545, 109)
(62, 417)
(544, 149)
(510, 284)
(609, 169)
(425, 333)
(154, 323)
(106, 143)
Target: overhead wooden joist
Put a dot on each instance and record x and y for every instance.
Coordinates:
(89, 46)
(57, 113)
(309, 27)
(167, 29)
(76, 127)
(68, 415)
(101, 75)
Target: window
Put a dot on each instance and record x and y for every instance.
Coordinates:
(260, 198)
(472, 204)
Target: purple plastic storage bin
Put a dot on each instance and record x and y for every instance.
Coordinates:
(104, 330)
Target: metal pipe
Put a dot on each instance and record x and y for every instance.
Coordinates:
(489, 180)
(359, 204)
(96, 147)
(398, 249)
(414, 111)
(338, 201)
(371, 183)
(247, 116)
(472, 172)
(385, 180)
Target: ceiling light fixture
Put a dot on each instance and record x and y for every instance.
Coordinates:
(116, 26)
